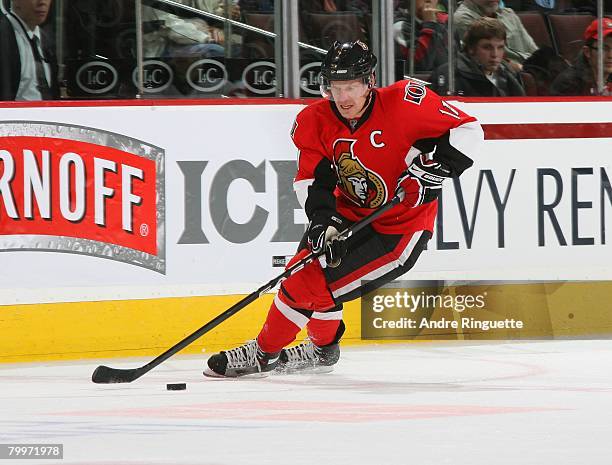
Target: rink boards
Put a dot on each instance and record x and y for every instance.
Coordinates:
(125, 226)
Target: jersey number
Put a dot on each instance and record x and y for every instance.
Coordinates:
(449, 110)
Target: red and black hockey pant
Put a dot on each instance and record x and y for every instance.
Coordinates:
(313, 296)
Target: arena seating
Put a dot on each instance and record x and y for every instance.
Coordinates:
(537, 26)
(564, 32)
(257, 45)
(323, 29)
(568, 32)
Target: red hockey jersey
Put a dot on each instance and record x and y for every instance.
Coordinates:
(368, 160)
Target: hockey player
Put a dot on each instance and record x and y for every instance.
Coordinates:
(357, 148)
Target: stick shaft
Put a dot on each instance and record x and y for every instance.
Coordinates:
(138, 372)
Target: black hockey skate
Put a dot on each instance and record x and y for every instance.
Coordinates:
(309, 358)
(248, 359)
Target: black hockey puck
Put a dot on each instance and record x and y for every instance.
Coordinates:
(176, 387)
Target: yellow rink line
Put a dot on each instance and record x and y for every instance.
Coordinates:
(65, 331)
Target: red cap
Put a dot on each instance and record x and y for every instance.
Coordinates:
(591, 31)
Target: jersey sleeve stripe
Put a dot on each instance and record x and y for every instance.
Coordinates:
(301, 190)
(467, 138)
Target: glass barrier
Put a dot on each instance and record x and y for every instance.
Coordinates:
(189, 50)
(88, 49)
(98, 45)
(320, 24)
(420, 37)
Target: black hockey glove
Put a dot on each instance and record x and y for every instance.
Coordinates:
(323, 235)
(422, 182)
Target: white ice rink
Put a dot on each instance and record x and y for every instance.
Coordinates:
(494, 403)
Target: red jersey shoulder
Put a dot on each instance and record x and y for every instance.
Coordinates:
(413, 96)
(313, 112)
(308, 119)
(407, 91)
(410, 93)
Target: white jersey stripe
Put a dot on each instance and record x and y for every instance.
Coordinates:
(411, 155)
(301, 190)
(386, 268)
(292, 315)
(335, 315)
(467, 138)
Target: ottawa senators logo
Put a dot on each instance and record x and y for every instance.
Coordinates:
(364, 187)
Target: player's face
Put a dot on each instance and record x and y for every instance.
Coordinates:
(489, 53)
(350, 97)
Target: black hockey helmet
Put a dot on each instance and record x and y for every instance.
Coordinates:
(347, 61)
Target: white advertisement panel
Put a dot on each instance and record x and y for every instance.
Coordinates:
(114, 202)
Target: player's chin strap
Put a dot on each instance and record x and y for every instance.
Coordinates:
(368, 101)
(370, 83)
(106, 375)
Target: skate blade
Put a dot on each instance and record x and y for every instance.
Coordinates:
(304, 371)
(212, 374)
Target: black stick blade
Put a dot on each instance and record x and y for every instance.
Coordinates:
(107, 375)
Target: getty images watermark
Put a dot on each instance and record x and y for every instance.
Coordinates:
(432, 309)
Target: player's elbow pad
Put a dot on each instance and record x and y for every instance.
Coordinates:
(451, 157)
(319, 199)
(321, 191)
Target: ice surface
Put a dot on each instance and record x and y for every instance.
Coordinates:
(538, 403)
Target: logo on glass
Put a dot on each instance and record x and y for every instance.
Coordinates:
(97, 77)
(260, 77)
(207, 75)
(309, 78)
(157, 76)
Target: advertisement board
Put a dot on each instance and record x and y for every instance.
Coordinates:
(210, 191)
(139, 203)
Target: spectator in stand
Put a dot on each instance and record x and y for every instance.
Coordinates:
(215, 6)
(519, 45)
(544, 65)
(481, 70)
(256, 6)
(431, 35)
(28, 68)
(172, 36)
(360, 7)
(216, 30)
(323, 32)
(584, 6)
(581, 77)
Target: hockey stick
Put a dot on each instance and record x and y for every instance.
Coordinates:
(106, 375)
